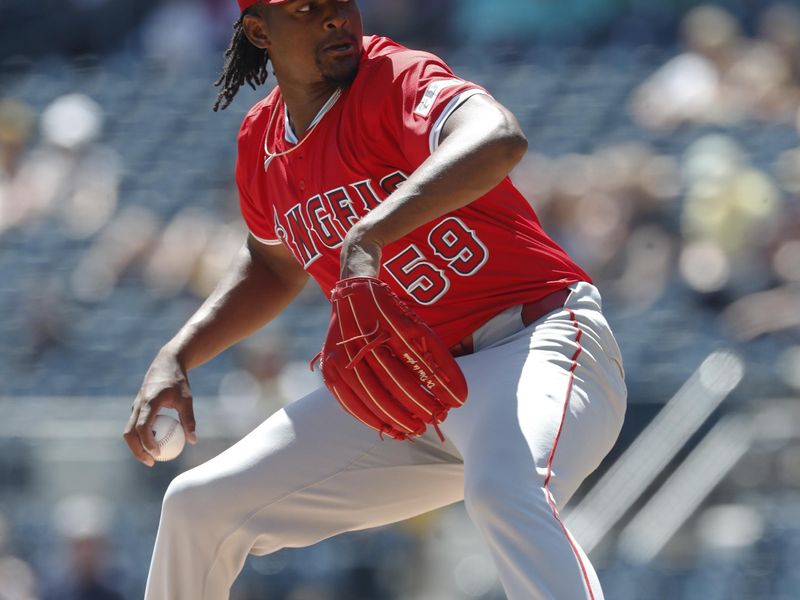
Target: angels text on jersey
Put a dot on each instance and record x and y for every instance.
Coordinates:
(322, 221)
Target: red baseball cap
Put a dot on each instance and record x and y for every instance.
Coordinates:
(245, 4)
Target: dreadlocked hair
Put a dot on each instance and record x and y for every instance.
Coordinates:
(244, 63)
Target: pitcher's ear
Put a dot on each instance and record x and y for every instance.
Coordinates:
(255, 28)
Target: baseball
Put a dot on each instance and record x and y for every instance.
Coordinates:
(169, 436)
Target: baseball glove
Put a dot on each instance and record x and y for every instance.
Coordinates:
(385, 366)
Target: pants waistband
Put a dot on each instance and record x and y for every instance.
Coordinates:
(531, 311)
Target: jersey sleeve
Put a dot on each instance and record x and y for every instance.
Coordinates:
(256, 214)
(418, 92)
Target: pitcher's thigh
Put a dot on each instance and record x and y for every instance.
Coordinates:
(311, 463)
(543, 405)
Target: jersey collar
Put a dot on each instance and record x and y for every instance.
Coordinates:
(289, 134)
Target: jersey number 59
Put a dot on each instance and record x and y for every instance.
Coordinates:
(455, 244)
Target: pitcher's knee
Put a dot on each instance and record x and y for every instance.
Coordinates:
(186, 502)
(201, 512)
(493, 493)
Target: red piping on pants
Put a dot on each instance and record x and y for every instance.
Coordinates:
(550, 499)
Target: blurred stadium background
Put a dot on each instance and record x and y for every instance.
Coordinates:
(664, 155)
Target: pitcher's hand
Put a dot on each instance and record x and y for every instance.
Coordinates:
(165, 386)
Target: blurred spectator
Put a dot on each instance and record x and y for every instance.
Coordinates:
(765, 312)
(72, 125)
(730, 216)
(16, 125)
(84, 523)
(723, 77)
(126, 239)
(46, 310)
(689, 86)
(780, 26)
(593, 202)
(647, 268)
(176, 254)
(17, 580)
(69, 174)
(17, 121)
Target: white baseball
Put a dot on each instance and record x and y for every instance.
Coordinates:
(169, 437)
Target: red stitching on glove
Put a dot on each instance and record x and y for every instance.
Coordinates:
(368, 347)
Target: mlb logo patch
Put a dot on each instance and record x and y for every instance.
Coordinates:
(431, 93)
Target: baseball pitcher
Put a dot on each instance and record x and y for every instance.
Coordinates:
(467, 356)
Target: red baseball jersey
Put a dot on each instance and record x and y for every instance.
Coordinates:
(457, 271)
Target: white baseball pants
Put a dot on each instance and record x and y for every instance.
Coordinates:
(546, 404)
